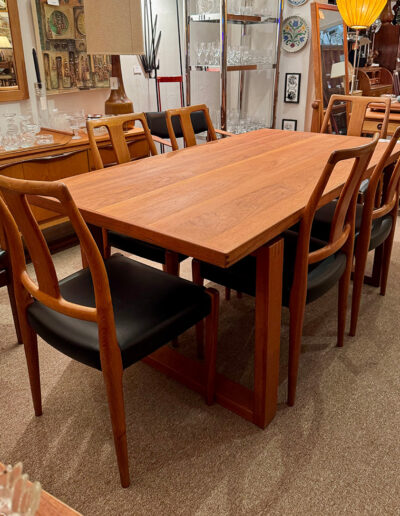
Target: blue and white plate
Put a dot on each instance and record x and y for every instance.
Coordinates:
(297, 3)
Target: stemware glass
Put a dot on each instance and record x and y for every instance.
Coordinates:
(76, 122)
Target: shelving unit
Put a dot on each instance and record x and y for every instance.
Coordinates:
(225, 20)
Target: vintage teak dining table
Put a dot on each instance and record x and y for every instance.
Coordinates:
(220, 202)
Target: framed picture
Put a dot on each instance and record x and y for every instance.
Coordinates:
(292, 88)
(289, 125)
(61, 42)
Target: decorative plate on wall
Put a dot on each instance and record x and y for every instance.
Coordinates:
(295, 34)
(297, 3)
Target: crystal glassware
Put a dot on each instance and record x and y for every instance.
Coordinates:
(18, 497)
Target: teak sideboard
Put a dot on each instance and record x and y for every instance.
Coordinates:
(53, 162)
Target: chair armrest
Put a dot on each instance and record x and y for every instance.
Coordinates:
(224, 133)
(157, 139)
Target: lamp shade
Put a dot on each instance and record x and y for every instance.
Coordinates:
(360, 14)
(114, 28)
(338, 70)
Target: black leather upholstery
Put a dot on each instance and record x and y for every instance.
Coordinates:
(242, 276)
(150, 307)
(3, 259)
(158, 125)
(139, 248)
(322, 224)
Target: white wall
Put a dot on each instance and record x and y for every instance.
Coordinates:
(142, 91)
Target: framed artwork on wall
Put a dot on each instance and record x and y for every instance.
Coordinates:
(289, 125)
(292, 88)
(64, 63)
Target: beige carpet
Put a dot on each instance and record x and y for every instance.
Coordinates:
(336, 452)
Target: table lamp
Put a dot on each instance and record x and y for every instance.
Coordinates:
(359, 14)
(117, 31)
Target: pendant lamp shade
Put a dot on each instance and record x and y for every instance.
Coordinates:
(360, 14)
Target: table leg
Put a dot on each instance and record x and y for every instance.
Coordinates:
(267, 331)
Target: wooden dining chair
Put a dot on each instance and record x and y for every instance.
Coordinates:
(311, 266)
(357, 108)
(169, 259)
(375, 226)
(115, 128)
(107, 316)
(187, 122)
(6, 281)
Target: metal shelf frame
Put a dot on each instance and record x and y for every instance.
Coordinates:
(225, 19)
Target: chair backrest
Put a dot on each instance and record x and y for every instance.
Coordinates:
(358, 108)
(342, 227)
(193, 120)
(383, 191)
(17, 219)
(115, 127)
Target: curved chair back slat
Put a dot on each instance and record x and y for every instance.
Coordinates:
(115, 127)
(193, 120)
(357, 111)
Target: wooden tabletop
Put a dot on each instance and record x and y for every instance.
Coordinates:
(50, 506)
(216, 202)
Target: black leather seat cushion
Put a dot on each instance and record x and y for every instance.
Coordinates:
(150, 308)
(139, 248)
(158, 124)
(242, 276)
(3, 259)
(322, 224)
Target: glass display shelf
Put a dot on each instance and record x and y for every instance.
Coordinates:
(232, 68)
(232, 18)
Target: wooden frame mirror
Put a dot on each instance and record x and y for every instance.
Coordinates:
(13, 82)
(329, 40)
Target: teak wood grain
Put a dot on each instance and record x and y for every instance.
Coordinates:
(217, 202)
(220, 202)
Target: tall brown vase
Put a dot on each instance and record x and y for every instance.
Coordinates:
(118, 103)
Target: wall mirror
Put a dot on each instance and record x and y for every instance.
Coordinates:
(13, 83)
(329, 52)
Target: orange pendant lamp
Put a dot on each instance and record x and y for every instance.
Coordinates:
(360, 14)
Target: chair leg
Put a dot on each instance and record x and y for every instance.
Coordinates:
(198, 280)
(13, 304)
(297, 310)
(32, 359)
(387, 254)
(113, 382)
(227, 294)
(358, 281)
(211, 345)
(344, 284)
(377, 267)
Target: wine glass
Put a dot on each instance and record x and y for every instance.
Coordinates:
(76, 122)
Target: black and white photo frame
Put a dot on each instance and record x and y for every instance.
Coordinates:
(289, 125)
(292, 88)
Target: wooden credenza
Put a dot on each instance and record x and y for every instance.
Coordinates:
(64, 160)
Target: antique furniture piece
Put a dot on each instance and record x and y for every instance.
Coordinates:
(329, 40)
(219, 203)
(114, 126)
(107, 316)
(13, 83)
(50, 506)
(123, 27)
(311, 266)
(264, 29)
(375, 226)
(64, 63)
(374, 81)
(64, 158)
(375, 115)
(355, 109)
(387, 40)
(6, 281)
